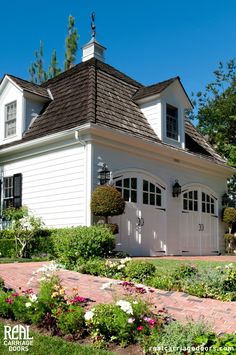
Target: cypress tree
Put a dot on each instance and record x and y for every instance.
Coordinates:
(53, 69)
(71, 44)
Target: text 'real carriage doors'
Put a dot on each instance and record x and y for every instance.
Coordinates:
(142, 228)
(199, 222)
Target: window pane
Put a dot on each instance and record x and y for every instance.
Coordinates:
(212, 208)
(190, 205)
(195, 206)
(208, 198)
(133, 196)
(145, 198)
(119, 183)
(185, 204)
(203, 207)
(152, 199)
(145, 185)
(133, 183)
(120, 190)
(158, 191)
(126, 195)
(195, 195)
(190, 194)
(203, 197)
(152, 187)
(208, 208)
(126, 182)
(158, 200)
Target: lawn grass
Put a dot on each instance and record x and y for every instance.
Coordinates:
(43, 345)
(200, 264)
(21, 260)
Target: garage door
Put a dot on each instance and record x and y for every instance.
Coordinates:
(142, 228)
(199, 222)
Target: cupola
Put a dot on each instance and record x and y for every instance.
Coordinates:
(93, 49)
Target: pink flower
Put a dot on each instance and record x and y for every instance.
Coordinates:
(9, 300)
(29, 291)
(152, 322)
(15, 294)
(140, 328)
(131, 320)
(78, 299)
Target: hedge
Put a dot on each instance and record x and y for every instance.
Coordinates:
(87, 242)
(7, 248)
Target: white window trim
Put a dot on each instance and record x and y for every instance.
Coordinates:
(6, 121)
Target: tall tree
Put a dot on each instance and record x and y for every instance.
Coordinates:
(53, 69)
(37, 73)
(71, 44)
(216, 115)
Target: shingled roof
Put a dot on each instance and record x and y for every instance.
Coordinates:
(95, 92)
(154, 89)
(30, 87)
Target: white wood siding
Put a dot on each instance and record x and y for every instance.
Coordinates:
(54, 185)
(152, 111)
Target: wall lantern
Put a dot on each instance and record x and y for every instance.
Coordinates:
(225, 200)
(176, 189)
(104, 175)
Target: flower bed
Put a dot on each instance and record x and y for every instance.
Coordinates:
(129, 320)
(215, 282)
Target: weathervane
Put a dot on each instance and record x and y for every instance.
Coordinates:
(93, 27)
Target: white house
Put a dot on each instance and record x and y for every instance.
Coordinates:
(55, 138)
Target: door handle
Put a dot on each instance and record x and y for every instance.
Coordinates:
(141, 222)
(201, 227)
(138, 224)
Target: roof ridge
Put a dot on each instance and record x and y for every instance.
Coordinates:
(27, 81)
(163, 81)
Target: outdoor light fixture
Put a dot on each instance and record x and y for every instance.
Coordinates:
(176, 189)
(225, 199)
(104, 175)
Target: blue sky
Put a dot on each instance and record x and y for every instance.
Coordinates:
(149, 40)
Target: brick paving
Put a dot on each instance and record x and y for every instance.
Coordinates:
(221, 316)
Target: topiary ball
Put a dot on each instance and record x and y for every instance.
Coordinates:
(107, 201)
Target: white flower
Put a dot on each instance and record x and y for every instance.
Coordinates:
(131, 320)
(124, 261)
(125, 306)
(33, 297)
(119, 267)
(88, 315)
(28, 304)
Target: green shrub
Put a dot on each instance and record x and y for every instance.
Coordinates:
(7, 234)
(122, 322)
(176, 336)
(229, 216)
(183, 271)
(96, 267)
(2, 284)
(7, 248)
(71, 321)
(224, 344)
(139, 270)
(6, 305)
(87, 242)
(107, 201)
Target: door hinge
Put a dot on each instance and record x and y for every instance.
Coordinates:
(185, 212)
(161, 209)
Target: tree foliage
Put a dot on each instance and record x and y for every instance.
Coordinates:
(24, 226)
(37, 71)
(216, 114)
(71, 44)
(107, 201)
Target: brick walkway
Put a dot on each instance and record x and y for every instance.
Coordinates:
(221, 316)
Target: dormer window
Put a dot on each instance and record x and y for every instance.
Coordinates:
(10, 119)
(172, 122)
